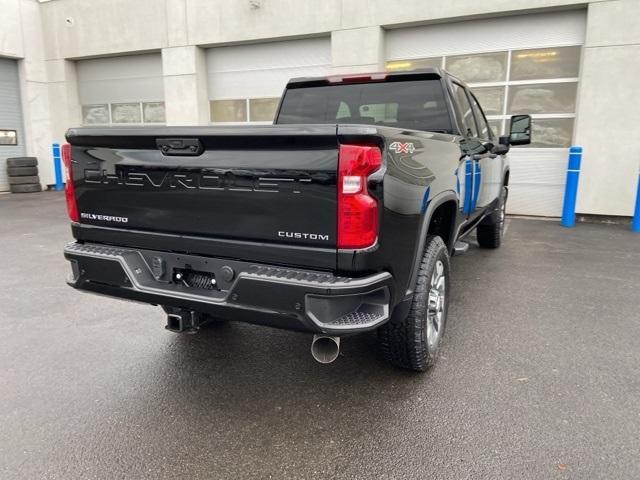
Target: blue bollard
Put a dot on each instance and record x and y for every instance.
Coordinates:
(57, 166)
(571, 188)
(635, 223)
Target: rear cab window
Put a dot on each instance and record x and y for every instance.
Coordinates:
(416, 105)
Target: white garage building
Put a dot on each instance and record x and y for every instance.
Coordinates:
(571, 64)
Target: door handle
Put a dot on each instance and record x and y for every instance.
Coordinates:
(180, 146)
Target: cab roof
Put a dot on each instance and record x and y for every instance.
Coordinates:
(431, 73)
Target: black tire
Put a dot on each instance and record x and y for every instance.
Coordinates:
(22, 171)
(24, 180)
(405, 342)
(489, 233)
(22, 162)
(28, 188)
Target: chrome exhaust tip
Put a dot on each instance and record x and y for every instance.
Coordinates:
(324, 348)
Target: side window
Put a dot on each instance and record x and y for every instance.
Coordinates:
(485, 130)
(465, 109)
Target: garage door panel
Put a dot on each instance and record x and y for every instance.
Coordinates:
(536, 199)
(242, 72)
(10, 116)
(519, 64)
(487, 35)
(113, 91)
(264, 56)
(536, 181)
(105, 83)
(529, 166)
(265, 83)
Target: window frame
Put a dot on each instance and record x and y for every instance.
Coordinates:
(466, 130)
(483, 116)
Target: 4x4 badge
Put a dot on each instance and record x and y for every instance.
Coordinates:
(400, 147)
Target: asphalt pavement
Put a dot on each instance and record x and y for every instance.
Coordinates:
(539, 376)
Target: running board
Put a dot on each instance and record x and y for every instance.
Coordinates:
(460, 248)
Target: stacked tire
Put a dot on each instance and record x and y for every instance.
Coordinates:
(23, 175)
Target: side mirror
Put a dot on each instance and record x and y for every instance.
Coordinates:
(500, 149)
(520, 131)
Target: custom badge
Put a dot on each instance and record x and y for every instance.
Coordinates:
(402, 147)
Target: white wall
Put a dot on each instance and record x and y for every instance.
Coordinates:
(180, 30)
(21, 37)
(608, 122)
(107, 27)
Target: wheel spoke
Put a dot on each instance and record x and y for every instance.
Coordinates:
(435, 304)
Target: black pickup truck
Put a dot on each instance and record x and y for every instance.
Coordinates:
(338, 219)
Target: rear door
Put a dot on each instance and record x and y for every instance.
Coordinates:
(252, 184)
(490, 165)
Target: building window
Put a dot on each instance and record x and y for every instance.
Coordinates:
(262, 109)
(542, 98)
(8, 137)
(126, 113)
(228, 111)
(95, 114)
(551, 132)
(562, 62)
(415, 63)
(240, 110)
(542, 82)
(153, 112)
(130, 113)
(491, 99)
(482, 67)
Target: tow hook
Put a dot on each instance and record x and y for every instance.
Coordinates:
(184, 321)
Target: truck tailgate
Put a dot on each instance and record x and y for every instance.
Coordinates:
(271, 184)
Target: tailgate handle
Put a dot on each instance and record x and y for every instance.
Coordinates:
(180, 146)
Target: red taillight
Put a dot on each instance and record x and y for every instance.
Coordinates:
(72, 207)
(357, 210)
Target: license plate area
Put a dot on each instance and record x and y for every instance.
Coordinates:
(195, 279)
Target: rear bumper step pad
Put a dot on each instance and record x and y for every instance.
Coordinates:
(281, 297)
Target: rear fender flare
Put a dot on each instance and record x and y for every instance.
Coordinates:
(438, 200)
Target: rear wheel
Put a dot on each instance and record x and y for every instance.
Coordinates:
(413, 342)
(490, 232)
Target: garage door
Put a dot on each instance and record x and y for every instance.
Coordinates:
(125, 90)
(11, 130)
(520, 64)
(245, 81)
